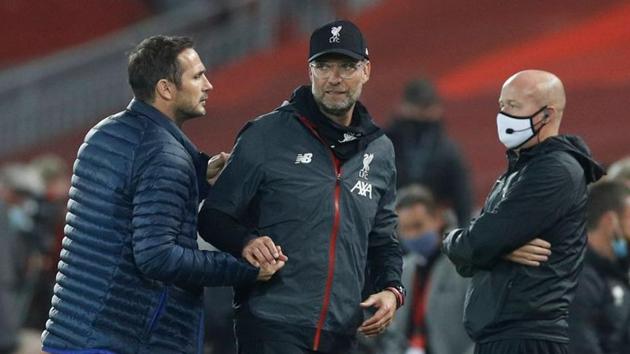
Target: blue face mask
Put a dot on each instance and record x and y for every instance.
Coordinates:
(423, 245)
(19, 220)
(620, 247)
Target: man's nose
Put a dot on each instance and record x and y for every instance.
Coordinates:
(335, 75)
(207, 85)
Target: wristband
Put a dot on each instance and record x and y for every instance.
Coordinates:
(399, 292)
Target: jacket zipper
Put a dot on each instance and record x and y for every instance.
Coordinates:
(333, 237)
(158, 311)
(331, 255)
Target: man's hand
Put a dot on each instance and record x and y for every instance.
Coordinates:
(532, 253)
(267, 270)
(215, 166)
(262, 250)
(385, 302)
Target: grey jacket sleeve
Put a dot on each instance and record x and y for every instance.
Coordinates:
(384, 253)
(539, 197)
(229, 198)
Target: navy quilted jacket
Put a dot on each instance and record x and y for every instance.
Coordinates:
(131, 276)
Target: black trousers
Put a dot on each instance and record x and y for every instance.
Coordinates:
(274, 347)
(522, 346)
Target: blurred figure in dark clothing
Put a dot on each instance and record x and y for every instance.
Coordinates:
(8, 318)
(425, 154)
(48, 223)
(430, 322)
(19, 187)
(599, 320)
(219, 321)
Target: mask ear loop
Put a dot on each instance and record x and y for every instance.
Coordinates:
(544, 122)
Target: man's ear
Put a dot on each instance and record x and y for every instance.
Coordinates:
(367, 69)
(165, 90)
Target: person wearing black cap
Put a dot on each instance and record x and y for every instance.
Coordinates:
(317, 176)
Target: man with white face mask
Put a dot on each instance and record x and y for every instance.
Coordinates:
(525, 251)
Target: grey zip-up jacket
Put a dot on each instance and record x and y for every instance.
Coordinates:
(332, 219)
(542, 195)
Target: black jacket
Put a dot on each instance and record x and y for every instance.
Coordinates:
(541, 195)
(332, 218)
(599, 321)
(426, 155)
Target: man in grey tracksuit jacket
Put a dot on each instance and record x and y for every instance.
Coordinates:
(324, 192)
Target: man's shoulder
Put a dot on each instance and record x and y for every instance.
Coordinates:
(116, 133)
(269, 124)
(383, 143)
(122, 125)
(133, 134)
(557, 162)
(278, 117)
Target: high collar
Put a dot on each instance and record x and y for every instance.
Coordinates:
(200, 159)
(163, 121)
(344, 141)
(571, 144)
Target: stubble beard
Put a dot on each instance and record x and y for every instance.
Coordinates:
(190, 112)
(337, 110)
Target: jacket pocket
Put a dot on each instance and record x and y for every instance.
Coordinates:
(157, 313)
(484, 302)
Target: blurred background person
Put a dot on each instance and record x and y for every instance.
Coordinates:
(8, 317)
(430, 322)
(599, 320)
(620, 170)
(20, 189)
(445, 310)
(48, 223)
(424, 152)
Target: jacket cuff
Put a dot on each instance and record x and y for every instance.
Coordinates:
(251, 274)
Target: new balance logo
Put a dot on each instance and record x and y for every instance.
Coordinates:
(304, 158)
(364, 189)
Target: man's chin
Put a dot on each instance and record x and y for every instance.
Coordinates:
(187, 115)
(335, 110)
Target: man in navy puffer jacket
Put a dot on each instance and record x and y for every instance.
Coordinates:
(131, 276)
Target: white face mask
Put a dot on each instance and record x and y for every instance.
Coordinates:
(514, 131)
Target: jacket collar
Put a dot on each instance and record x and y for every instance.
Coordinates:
(163, 121)
(344, 142)
(200, 159)
(573, 145)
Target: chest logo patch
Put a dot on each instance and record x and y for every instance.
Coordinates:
(304, 158)
(367, 160)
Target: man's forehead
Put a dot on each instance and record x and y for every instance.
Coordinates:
(190, 59)
(513, 92)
